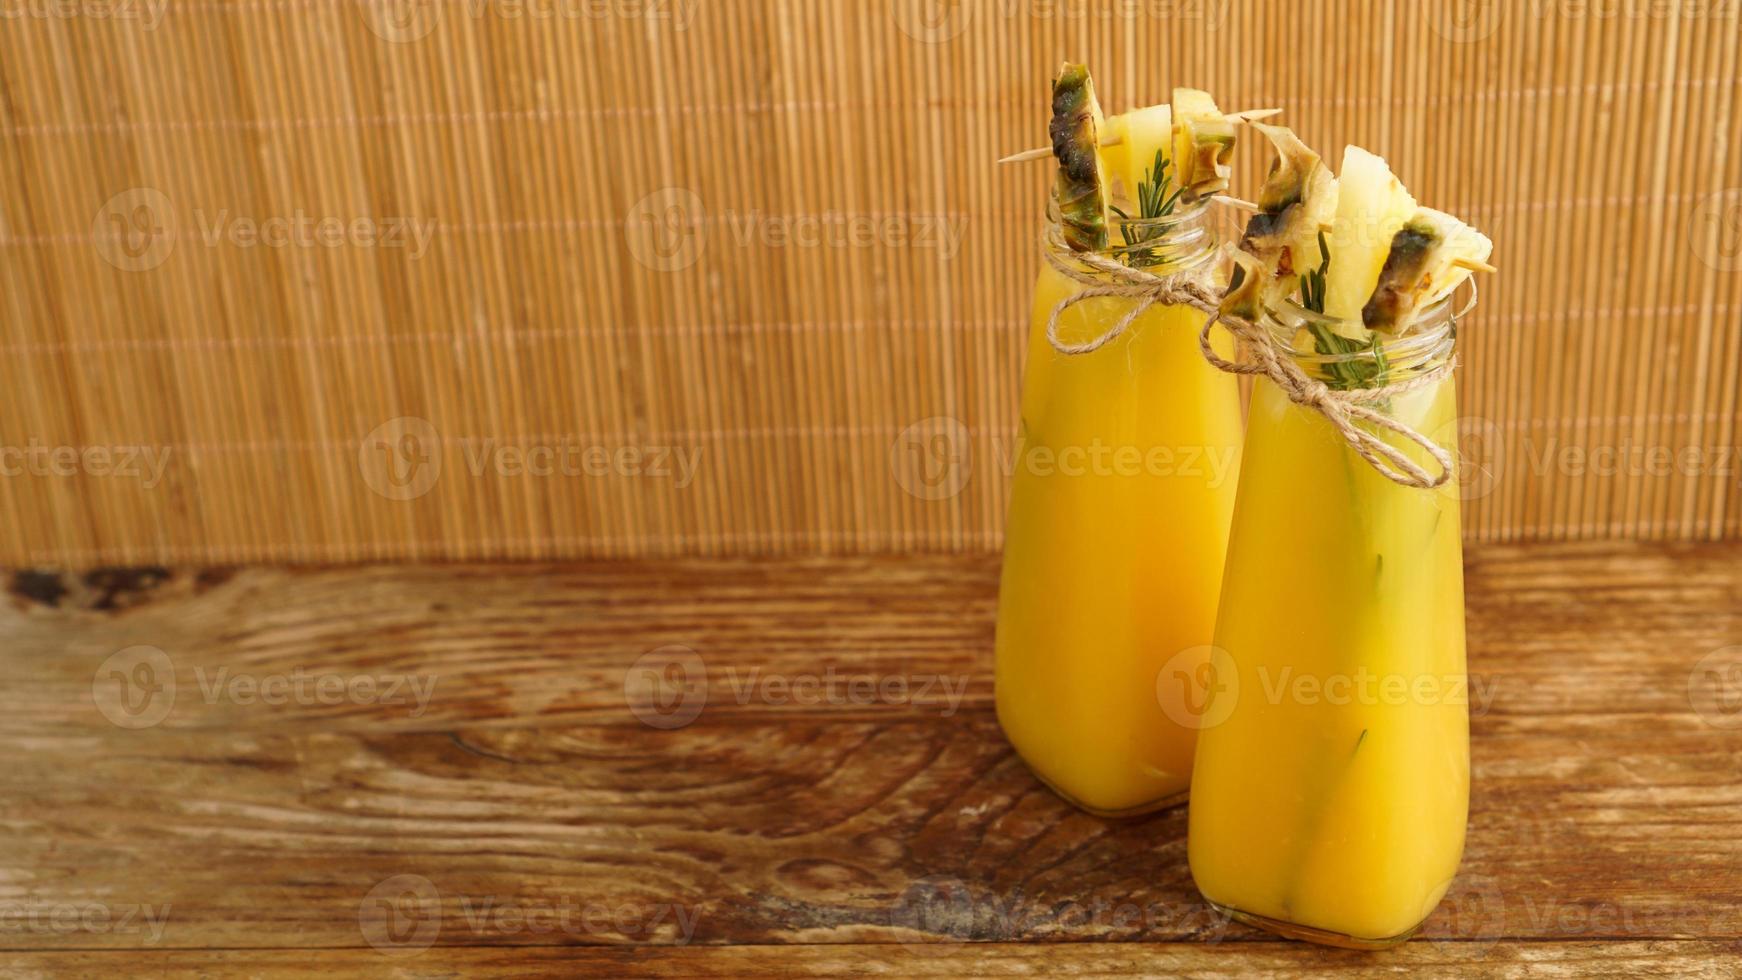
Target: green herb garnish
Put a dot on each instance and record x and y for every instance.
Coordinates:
(1154, 200)
(1343, 375)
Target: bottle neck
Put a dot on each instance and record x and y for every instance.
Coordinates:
(1321, 345)
(1180, 241)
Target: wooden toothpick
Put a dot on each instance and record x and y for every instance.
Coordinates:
(1042, 152)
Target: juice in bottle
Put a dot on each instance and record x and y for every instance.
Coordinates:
(1123, 483)
(1331, 784)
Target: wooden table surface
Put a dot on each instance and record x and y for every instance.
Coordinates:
(438, 770)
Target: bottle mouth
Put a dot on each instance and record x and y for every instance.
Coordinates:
(1432, 332)
(1178, 240)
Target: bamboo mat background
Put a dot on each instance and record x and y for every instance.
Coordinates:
(768, 239)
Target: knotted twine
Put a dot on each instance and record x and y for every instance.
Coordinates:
(1344, 409)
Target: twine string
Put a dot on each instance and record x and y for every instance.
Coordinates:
(1346, 410)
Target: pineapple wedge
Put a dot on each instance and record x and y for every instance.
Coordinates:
(1075, 129)
(1143, 133)
(1420, 268)
(1298, 199)
(1203, 144)
(1372, 206)
(1246, 287)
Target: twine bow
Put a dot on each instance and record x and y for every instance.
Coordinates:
(1344, 409)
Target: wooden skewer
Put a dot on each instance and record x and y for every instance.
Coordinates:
(1235, 202)
(1473, 265)
(1042, 152)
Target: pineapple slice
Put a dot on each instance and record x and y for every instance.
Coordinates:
(1203, 144)
(1144, 133)
(1299, 198)
(1246, 286)
(1372, 205)
(1076, 137)
(1420, 268)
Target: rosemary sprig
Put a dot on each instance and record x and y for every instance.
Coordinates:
(1154, 200)
(1343, 375)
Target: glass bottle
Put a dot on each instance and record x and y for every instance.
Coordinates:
(1124, 473)
(1332, 776)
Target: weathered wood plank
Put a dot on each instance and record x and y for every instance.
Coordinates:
(788, 830)
(1581, 637)
(1690, 960)
(1605, 803)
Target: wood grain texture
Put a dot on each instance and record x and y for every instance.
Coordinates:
(769, 235)
(1691, 960)
(1605, 835)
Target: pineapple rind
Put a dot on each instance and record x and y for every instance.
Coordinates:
(1082, 186)
(1420, 268)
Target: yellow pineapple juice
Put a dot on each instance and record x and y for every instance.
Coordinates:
(1124, 473)
(1332, 775)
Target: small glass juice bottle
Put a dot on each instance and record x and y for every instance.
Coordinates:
(1332, 776)
(1123, 487)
